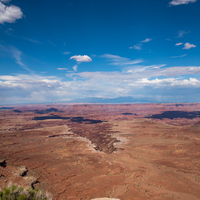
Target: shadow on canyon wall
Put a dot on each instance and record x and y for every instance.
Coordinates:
(44, 111)
(50, 117)
(175, 114)
(6, 108)
(17, 111)
(129, 114)
(74, 119)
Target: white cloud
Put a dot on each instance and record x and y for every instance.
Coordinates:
(102, 76)
(116, 79)
(168, 82)
(9, 78)
(17, 55)
(130, 62)
(139, 71)
(179, 2)
(133, 74)
(31, 40)
(178, 44)
(147, 40)
(80, 58)
(157, 66)
(137, 47)
(9, 13)
(66, 52)
(36, 88)
(5, 1)
(182, 33)
(188, 46)
(120, 61)
(62, 68)
(114, 58)
(172, 71)
(179, 56)
(75, 67)
(23, 88)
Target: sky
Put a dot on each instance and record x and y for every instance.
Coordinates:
(57, 51)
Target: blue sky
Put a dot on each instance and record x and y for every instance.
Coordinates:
(55, 51)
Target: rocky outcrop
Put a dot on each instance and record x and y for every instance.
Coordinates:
(16, 175)
(21, 171)
(30, 181)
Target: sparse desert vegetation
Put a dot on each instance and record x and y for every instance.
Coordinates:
(15, 192)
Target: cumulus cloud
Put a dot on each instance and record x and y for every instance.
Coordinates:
(188, 46)
(80, 58)
(178, 44)
(179, 2)
(9, 78)
(9, 14)
(120, 61)
(27, 88)
(168, 82)
(125, 82)
(146, 40)
(139, 73)
(37, 88)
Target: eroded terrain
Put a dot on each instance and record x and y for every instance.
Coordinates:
(138, 151)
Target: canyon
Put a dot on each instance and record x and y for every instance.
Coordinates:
(90, 151)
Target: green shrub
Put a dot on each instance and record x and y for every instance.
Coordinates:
(14, 192)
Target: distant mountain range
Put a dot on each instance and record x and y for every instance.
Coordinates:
(119, 100)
